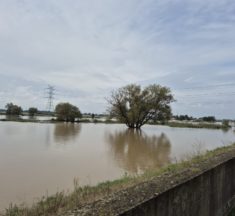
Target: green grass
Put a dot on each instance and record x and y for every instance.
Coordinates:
(62, 202)
(199, 125)
(232, 213)
(109, 121)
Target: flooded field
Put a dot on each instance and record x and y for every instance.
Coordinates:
(40, 159)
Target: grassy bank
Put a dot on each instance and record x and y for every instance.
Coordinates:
(97, 121)
(63, 202)
(54, 120)
(198, 125)
(26, 120)
(232, 213)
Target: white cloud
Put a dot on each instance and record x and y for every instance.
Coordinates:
(91, 47)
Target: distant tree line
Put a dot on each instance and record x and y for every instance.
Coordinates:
(64, 111)
(183, 117)
(13, 109)
(209, 118)
(190, 118)
(131, 105)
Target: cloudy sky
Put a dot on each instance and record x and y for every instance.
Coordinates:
(87, 48)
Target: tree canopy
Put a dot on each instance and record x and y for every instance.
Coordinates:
(12, 109)
(209, 118)
(183, 117)
(135, 107)
(67, 112)
(32, 111)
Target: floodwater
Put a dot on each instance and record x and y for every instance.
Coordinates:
(26, 117)
(42, 159)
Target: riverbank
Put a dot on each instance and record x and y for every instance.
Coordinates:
(199, 125)
(101, 197)
(27, 120)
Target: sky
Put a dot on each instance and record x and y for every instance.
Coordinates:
(87, 49)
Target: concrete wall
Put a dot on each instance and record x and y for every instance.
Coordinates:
(210, 194)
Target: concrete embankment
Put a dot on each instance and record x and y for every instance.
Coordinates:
(204, 187)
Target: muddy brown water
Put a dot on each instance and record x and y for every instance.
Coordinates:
(42, 159)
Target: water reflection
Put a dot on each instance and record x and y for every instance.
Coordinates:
(31, 117)
(12, 117)
(64, 132)
(135, 151)
(225, 130)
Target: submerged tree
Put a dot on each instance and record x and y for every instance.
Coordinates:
(67, 112)
(135, 107)
(12, 109)
(32, 111)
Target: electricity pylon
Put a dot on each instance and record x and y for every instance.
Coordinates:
(50, 91)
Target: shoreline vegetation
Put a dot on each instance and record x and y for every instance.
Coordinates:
(62, 202)
(177, 124)
(198, 125)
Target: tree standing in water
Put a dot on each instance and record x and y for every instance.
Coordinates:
(136, 107)
(12, 109)
(32, 111)
(67, 112)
